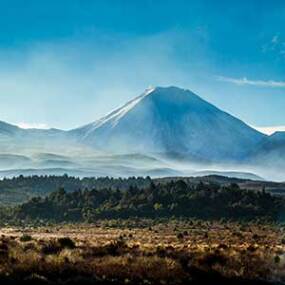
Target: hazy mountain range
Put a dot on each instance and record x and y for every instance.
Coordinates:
(164, 131)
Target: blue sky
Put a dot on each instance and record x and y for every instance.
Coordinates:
(65, 63)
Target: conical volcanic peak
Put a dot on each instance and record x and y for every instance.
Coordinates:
(171, 120)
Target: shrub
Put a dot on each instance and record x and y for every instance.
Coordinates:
(51, 247)
(114, 248)
(180, 236)
(66, 242)
(25, 238)
(277, 259)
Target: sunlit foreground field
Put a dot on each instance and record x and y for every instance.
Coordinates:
(143, 252)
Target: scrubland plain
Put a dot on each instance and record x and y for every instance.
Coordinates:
(141, 251)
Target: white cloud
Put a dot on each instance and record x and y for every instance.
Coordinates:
(275, 39)
(275, 45)
(270, 130)
(258, 83)
(25, 125)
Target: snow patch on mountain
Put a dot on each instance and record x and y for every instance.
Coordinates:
(115, 116)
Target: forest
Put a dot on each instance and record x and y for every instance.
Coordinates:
(208, 201)
(17, 190)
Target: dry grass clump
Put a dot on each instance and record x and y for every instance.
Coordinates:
(176, 252)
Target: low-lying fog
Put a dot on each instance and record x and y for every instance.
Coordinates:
(78, 161)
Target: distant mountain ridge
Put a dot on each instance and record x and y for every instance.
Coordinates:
(168, 125)
(8, 129)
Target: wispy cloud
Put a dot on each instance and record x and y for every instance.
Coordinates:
(275, 39)
(270, 130)
(25, 125)
(276, 45)
(259, 83)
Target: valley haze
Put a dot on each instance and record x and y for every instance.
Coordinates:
(166, 131)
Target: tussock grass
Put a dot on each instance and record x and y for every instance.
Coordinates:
(172, 252)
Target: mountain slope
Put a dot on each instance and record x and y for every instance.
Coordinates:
(271, 151)
(18, 141)
(171, 120)
(14, 132)
(8, 129)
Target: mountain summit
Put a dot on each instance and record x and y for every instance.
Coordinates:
(171, 120)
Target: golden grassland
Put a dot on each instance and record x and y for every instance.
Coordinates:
(143, 252)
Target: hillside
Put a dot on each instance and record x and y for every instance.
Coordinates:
(20, 189)
(271, 151)
(208, 201)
